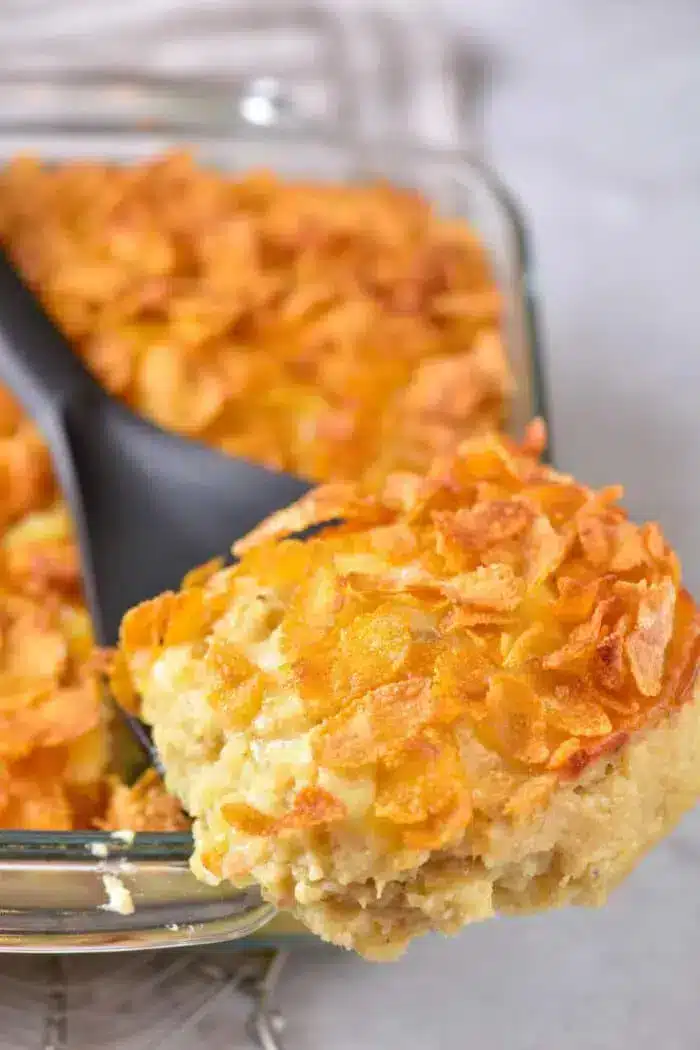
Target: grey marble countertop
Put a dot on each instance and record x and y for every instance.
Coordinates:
(593, 110)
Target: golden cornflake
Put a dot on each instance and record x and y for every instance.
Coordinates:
(494, 588)
(649, 638)
(517, 717)
(576, 714)
(376, 724)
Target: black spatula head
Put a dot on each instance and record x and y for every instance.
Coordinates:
(154, 506)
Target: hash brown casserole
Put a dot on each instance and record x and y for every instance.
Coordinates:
(474, 695)
(255, 315)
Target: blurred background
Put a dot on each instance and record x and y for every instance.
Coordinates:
(589, 109)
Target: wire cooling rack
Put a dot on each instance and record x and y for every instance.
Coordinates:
(144, 1001)
(361, 74)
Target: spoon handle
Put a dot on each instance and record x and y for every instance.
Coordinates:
(36, 362)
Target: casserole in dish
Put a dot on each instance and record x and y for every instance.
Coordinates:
(52, 885)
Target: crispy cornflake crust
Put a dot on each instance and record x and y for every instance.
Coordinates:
(491, 604)
(255, 313)
(55, 733)
(53, 739)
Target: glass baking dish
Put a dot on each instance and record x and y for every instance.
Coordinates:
(52, 889)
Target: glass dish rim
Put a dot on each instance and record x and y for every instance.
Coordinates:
(177, 846)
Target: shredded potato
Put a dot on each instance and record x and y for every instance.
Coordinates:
(334, 331)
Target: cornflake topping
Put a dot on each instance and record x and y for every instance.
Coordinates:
(329, 330)
(492, 603)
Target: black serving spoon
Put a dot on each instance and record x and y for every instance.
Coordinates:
(147, 506)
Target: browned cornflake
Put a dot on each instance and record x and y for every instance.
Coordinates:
(571, 710)
(545, 549)
(517, 716)
(609, 667)
(376, 724)
(581, 642)
(494, 588)
(649, 638)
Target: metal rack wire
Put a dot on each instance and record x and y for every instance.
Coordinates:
(174, 999)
